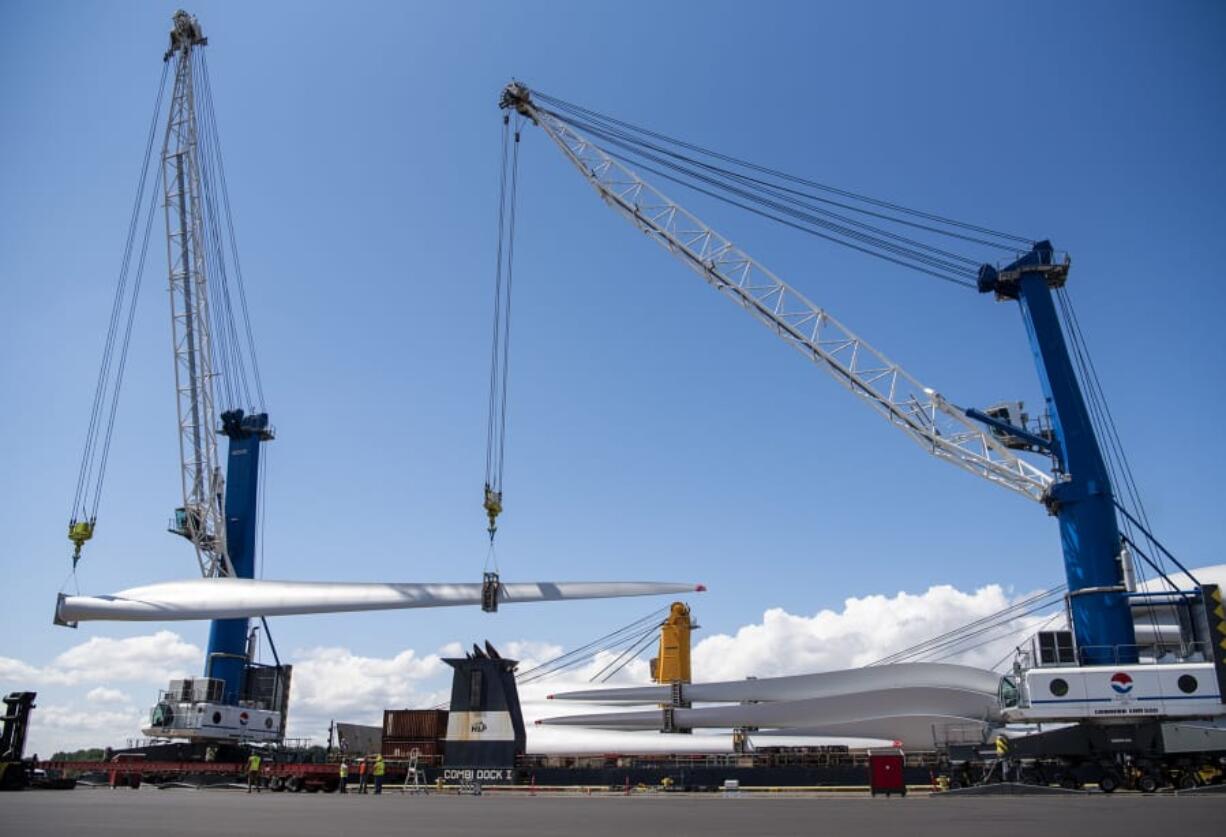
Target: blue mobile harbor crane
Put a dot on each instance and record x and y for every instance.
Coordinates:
(227, 657)
(237, 699)
(1081, 497)
(1141, 673)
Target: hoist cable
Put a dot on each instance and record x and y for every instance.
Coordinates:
(578, 109)
(1115, 458)
(229, 216)
(585, 653)
(637, 652)
(988, 633)
(868, 234)
(984, 621)
(796, 196)
(1018, 647)
(994, 633)
(500, 342)
(123, 352)
(588, 650)
(957, 280)
(1094, 386)
(628, 647)
(491, 436)
(89, 457)
(910, 249)
(506, 327)
(227, 345)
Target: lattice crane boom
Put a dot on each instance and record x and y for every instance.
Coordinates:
(202, 518)
(940, 427)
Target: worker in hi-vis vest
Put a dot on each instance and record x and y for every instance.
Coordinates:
(253, 772)
(380, 769)
(362, 775)
(343, 770)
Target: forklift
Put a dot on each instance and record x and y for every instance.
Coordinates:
(15, 773)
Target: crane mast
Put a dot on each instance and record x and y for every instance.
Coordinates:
(201, 519)
(218, 515)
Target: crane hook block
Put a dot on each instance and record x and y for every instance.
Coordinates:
(79, 531)
(493, 508)
(490, 587)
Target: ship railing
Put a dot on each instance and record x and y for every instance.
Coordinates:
(1144, 654)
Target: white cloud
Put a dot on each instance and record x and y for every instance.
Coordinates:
(865, 630)
(152, 658)
(102, 694)
(16, 671)
(68, 727)
(335, 683)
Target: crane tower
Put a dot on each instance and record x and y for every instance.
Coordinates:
(218, 515)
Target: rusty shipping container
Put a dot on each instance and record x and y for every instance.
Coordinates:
(420, 724)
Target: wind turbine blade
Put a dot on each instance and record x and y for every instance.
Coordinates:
(800, 686)
(237, 598)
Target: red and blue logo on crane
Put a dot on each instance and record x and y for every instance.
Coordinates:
(1121, 683)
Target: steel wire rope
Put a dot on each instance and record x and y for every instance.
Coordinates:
(869, 241)
(496, 418)
(970, 629)
(601, 643)
(234, 366)
(898, 261)
(229, 216)
(643, 646)
(123, 352)
(1018, 647)
(262, 517)
(622, 642)
(1002, 629)
(495, 343)
(956, 652)
(500, 350)
(795, 195)
(955, 644)
(1113, 437)
(970, 626)
(587, 654)
(212, 266)
(572, 107)
(625, 649)
(506, 330)
(1096, 400)
(229, 345)
(85, 472)
(942, 259)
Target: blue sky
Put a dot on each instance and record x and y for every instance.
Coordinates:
(656, 432)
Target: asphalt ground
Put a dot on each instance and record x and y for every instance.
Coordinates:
(102, 812)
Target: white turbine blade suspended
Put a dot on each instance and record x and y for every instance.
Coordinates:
(802, 686)
(237, 598)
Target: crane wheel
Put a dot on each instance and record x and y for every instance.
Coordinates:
(1147, 784)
